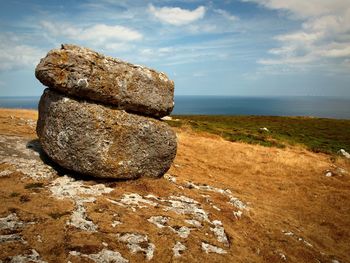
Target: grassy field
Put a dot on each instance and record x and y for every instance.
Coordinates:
(317, 134)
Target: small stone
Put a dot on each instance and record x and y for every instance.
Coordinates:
(170, 178)
(329, 174)
(264, 129)
(344, 153)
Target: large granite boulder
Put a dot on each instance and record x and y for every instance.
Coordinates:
(103, 141)
(83, 73)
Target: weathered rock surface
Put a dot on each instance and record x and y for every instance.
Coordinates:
(83, 73)
(101, 141)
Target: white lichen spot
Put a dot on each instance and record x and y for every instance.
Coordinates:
(116, 223)
(237, 214)
(238, 203)
(207, 248)
(5, 173)
(10, 222)
(63, 138)
(288, 233)
(23, 155)
(219, 232)
(159, 221)
(38, 238)
(83, 83)
(216, 208)
(79, 193)
(11, 238)
(291, 234)
(226, 192)
(162, 221)
(187, 206)
(136, 243)
(170, 178)
(182, 232)
(79, 217)
(178, 249)
(33, 257)
(104, 256)
(193, 222)
(283, 256)
(133, 201)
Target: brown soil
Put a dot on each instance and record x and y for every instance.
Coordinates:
(295, 213)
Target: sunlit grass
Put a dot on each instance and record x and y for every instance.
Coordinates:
(317, 134)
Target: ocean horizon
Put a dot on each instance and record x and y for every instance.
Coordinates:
(312, 106)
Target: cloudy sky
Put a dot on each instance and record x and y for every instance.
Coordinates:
(228, 47)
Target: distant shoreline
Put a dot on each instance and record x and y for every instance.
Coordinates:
(320, 107)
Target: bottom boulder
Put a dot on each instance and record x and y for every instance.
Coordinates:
(102, 141)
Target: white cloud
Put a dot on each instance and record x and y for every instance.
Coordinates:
(305, 8)
(177, 16)
(324, 36)
(106, 33)
(14, 55)
(226, 14)
(100, 35)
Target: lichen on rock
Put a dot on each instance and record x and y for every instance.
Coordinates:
(84, 73)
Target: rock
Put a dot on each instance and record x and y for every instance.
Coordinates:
(167, 118)
(264, 129)
(344, 153)
(328, 174)
(83, 73)
(102, 141)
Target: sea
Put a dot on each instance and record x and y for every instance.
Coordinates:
(326, 107)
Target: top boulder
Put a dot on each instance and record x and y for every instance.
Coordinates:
(86, 74)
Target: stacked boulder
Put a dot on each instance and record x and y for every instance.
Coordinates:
(100, 115)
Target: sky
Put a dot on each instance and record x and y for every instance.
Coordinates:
(227, 48)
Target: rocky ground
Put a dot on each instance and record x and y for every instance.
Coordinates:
(220, 202)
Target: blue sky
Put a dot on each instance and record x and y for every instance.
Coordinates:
(229, 47)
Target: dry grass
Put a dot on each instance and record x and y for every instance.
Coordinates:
(15, 122)
(286, 190)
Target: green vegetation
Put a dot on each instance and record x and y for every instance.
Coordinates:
(317, 134)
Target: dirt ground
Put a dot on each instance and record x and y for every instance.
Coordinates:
(219, 202)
